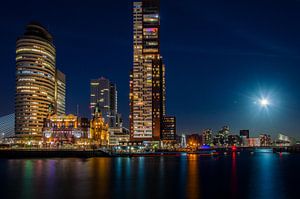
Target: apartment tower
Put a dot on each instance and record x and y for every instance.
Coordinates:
(147, 78)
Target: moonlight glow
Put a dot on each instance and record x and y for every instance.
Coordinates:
(264, 102)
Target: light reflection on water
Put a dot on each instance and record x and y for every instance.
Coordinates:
(233, 176)
(193, 178)
(267, 180)
(27, 188)
(234, 182)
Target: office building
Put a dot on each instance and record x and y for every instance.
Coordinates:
(168, 131)
(7, 126)
(60, 92)
(40, 87)
(221, 138)
(147, 78)
(207, 137)
(118, 136)
(35, 79)
(104, 95)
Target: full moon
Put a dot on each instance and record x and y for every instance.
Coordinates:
(264, 102)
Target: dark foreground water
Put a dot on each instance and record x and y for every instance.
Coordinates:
(264, 175)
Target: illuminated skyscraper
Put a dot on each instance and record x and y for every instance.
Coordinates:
(37, 90)
(60, 92)
(7, 126)
(147, 79)
(104, 96)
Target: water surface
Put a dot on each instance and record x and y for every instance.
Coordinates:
(264, 175)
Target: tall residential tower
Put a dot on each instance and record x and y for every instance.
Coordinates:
(147, 78)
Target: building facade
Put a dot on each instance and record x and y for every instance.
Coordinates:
(147, 78)
(168, 132)
(118, 135)
(36, 83)
(104, 95)
(207, 137)
(265, 140)
(234, 140)
(253, 142)
(221, 138)
(60, 92)
(60, 130)
(99, 129)
(7, 126)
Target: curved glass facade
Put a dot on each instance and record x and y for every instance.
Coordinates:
(35, 79)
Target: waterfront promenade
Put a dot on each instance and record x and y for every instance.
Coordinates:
(51, 153)
(88, 153)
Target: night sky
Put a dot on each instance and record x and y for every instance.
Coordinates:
(220, 57)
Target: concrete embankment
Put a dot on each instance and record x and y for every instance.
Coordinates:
(51, 153)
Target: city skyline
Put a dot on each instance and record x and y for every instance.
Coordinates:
(211, 105)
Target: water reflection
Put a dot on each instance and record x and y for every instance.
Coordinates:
(265, 178)
(161, 178)
(50, 175)
(249, 176)
(27, 188)
(193, 177)
(140, 177)
(234, 183)
(99, 179)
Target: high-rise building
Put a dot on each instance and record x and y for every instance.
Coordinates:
(7, 126)
(60, 92)
(104, 96)
(221, 138)
(147, 78)
(36, 80)
(168, 131)
(207, 137)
